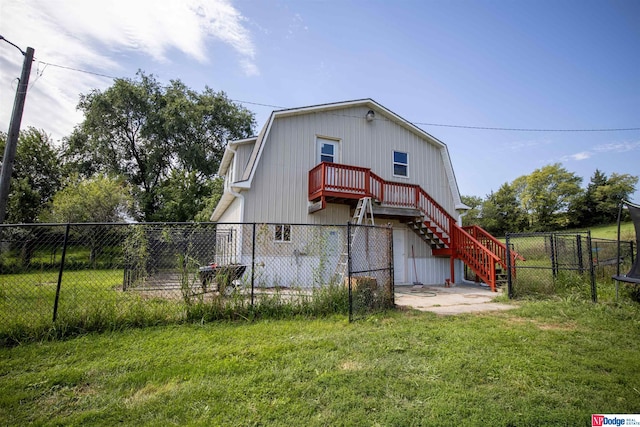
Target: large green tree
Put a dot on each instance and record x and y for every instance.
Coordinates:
(607, 197)
(217, 188)
(600, 201)
(97, 199)
(158, 137)
(547, 194)
(502, 213)
(36, 175)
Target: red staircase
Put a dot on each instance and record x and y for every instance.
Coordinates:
(332, 182)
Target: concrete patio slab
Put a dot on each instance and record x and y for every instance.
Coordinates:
(457, 299)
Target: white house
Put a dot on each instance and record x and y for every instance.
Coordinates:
(312, 164)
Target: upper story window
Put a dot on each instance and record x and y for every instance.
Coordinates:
(400, 164)
(327, 150)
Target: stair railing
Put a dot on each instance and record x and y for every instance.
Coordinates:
(493, 244)
(335, 179)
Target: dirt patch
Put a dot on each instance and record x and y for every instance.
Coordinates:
(566, 326)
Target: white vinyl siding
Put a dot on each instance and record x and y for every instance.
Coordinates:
(243, 153)
(279, 190)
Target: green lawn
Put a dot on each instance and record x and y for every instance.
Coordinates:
(610, 231)
(546, 363)
(88, 300)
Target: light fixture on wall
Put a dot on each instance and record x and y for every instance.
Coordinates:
(370, 115)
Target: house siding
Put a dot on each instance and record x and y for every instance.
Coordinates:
(279, 191)
(279, 184)
(233, 212)
(241, 159)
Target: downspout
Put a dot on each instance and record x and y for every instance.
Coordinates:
(241, 197)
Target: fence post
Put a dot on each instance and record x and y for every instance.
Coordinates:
(253, 261)
(508, 256)
(579, 249)
(391, 278)
(553, 243)
(64, 253)
(349, 270)
(592, 271)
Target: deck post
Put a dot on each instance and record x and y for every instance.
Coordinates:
(367, 183)
(452, 264)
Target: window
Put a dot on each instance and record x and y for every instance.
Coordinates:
(283, 233)
(327, 150)
(400, 164)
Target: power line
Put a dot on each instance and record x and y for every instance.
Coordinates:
(464, 126)
(257, 103)
(501, 129)
(528, 129)
(77, 69)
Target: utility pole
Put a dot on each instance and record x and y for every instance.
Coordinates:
(14, 132)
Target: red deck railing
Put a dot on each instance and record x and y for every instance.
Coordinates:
(493, 244)
(353, 182)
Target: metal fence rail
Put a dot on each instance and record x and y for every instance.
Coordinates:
(53, 271)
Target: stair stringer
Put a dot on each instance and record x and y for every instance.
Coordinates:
(464, 247)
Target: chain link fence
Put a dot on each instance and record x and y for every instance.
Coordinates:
(370, 273)
(96, 276)
(605, 257)
(554, 264)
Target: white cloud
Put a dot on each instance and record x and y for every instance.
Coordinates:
(617, 147)
(96, 36)
(612, 147)
(581, 156)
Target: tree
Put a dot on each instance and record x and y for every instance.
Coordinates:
(599, 203)
(501, 211)
(608, 197)
(152, 135)
(547, 194)
(97, 199)
(35, 178)
(210, 203)
(582, 211)
(181, 197)
(472, 217)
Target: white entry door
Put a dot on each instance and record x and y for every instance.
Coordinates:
(399, 256)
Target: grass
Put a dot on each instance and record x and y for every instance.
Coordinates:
(93, 301)
(610, 231)
(546, 363)
(89, 300)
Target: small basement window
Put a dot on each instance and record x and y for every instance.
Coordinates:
(400, 164)
(283, 233)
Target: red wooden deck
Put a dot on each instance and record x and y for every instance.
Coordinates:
(332, 182)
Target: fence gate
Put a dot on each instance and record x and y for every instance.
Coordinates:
(554, 264)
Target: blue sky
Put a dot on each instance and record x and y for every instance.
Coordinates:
(504, 64)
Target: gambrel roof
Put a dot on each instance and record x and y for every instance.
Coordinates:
(260, 142)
